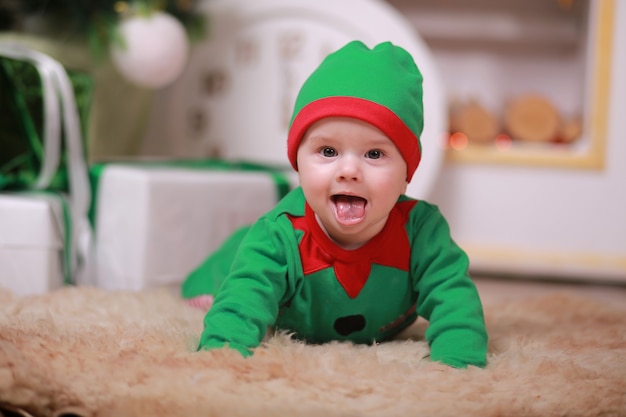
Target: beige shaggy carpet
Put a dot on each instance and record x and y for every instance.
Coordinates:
(86, 352)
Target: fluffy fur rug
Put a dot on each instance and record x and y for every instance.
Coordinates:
(86, 352)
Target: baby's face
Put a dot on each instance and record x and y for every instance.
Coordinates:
(351, 175)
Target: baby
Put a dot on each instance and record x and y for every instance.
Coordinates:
(347, 256)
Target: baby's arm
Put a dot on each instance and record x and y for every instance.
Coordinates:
(248, 300)
(448, 297)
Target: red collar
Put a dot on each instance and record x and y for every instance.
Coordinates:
(390, 247)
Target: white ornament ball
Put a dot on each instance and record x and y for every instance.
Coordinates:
(154, 52)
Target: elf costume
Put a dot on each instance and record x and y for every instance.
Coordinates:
(284, 270)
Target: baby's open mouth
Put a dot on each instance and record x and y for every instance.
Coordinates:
(349, 207)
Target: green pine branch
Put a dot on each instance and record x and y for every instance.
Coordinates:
(95, 20)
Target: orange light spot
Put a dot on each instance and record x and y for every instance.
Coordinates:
(503, 142)
(458, 141)
(120, 6)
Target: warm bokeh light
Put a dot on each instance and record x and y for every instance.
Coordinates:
(458, 141)
(504, 142)
(120, 6)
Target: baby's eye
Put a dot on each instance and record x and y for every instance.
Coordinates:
(328, 152)
(374, 154)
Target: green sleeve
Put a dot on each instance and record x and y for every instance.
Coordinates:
(207, 277)
(448, 298)
(248, 300)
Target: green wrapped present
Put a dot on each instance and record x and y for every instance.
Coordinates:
(43, 117)
(32, 154)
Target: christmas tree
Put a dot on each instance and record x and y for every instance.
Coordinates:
(95, 20)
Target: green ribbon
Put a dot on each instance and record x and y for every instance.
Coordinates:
(17, 106)
(21, 140)
(277, 172)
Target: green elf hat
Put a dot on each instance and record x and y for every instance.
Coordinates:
(381, 86)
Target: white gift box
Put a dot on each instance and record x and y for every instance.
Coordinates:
(32, 227)
(154, 225)
(31, 243)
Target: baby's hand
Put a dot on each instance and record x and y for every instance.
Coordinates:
(203, 302)
(436, 366)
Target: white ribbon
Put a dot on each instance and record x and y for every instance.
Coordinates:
(57, 93)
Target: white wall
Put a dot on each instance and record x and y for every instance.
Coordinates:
(554, 221)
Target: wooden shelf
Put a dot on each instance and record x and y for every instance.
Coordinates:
(493, 51)
(541, 155)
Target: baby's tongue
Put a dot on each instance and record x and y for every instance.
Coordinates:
(349, 208)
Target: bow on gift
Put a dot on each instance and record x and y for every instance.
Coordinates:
(59, 109)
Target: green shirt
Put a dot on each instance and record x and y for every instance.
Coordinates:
(284, 271)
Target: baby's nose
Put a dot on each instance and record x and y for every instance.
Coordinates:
(349, 168)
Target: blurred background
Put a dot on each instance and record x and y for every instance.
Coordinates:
(524, 142)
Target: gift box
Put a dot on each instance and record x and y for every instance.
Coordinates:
(154, 224)
(32, 242)
(33, 153)
(44, 115)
